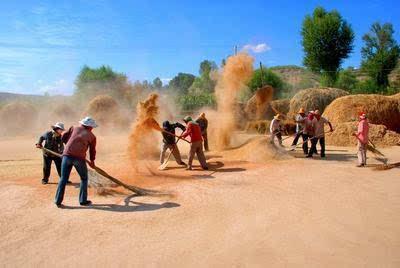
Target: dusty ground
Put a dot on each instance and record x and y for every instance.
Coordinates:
(294, 212)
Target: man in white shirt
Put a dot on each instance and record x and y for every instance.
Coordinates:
(301, 131)
(318, 124)
(276, 129)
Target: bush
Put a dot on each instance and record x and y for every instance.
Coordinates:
(268, 77)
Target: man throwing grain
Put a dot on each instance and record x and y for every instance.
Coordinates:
(78, 140)
(276, 129)
(196, 146)
(169, 142)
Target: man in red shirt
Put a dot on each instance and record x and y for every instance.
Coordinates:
(196, 146)
(78, 140)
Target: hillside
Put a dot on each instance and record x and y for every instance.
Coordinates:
(296, 76)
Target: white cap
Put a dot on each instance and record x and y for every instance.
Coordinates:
(89, 122)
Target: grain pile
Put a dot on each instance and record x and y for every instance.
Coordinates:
(314, 98)
(381, 110)
(17, 118)
(378, 134)
(258, 104)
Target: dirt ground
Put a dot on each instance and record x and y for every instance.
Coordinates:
(292, 212)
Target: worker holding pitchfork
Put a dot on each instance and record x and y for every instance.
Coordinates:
(318, 124)
(169, 142)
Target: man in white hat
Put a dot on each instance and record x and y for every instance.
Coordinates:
(276, 129)
(77, 141)
(52, 141)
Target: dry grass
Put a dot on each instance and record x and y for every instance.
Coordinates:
(381, 110)
(314, 98)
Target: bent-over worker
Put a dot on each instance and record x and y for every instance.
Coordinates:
(203, 123)
(169, 142)
(318, 124)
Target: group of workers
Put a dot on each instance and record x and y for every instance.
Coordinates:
(79, 139)
(310, 127)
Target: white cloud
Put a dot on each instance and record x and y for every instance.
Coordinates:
(259, 48)
(165, 80)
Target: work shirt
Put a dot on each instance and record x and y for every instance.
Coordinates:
(77, 141)
(169, 139)
(318, 126)
(193, 131)
(275, 126)
(300, 122)
(52, 141)
(203, 123)
(362, 132)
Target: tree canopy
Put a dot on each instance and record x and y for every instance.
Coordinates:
(327, 41)
(380, 53)
(181, 82)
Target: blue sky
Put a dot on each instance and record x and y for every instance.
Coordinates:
(43, 44)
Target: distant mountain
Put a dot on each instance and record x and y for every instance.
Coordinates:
(6, 97)
(296, 76)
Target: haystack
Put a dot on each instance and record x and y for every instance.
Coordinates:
(257, 105)
(17, 118)
(314, 98)
(64, 113)
(278, 107)
(378, 134)
(105, 110)
(381, 110)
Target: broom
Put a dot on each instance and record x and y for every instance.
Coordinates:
(136, 190)
(387, 166)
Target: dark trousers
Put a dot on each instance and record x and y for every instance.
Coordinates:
(66, 166)
(47, 166)
(304, 137)
(205, 140)
(314, 146)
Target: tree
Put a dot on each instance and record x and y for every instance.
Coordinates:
(347, 80)
(327, 41)
(157, 83)
(380, 53)
(206, 66)
(268, 77)
(181, 82)
(91, 82)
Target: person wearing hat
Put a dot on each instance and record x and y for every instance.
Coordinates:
(196, 143)
(318, 124)
(362, 139)
(77, 141)
(203, 123)
(300, 131)
(276, 129)
(52, 141)
(169, 141)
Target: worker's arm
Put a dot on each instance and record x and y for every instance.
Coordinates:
(92, 152)
(188, 131)
(179, 125)
(66, 135)
(39, 144)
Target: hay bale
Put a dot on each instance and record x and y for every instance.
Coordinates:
(277, 107)
(257, 105)
(258, 126)
(105, 110)
(314, 98)
(381, 110)
(378, 134)
(17, 118)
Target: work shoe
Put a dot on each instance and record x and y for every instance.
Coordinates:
(182, 163)
(45, 181)
(59, 205)
(308, 156)
(189, 168)
(205, 168)
(86, 203)
(360, 165)
(292, 148)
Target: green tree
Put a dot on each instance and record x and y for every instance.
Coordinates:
(157, 83)
(181, 82)
(327, 41)
(206, 66)
(91, 82)
(380, 53)
(264, 77)
(346, 80)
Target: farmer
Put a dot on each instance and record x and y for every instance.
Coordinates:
(169, 142)
(196, 147)
(318, 124)
(203, 123)
(52, 141)
(276, 129)
(308, 129)
(78, 140)
(362, 139)
(300, 131)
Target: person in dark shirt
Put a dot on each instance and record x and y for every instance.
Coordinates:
(52, 141)
(203, 123)
(169, 142)
(77, 141)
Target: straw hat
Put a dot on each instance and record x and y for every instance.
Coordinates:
(277, 117)
(58, 125)
(202, 115)
(88, 122)
(301, 111)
